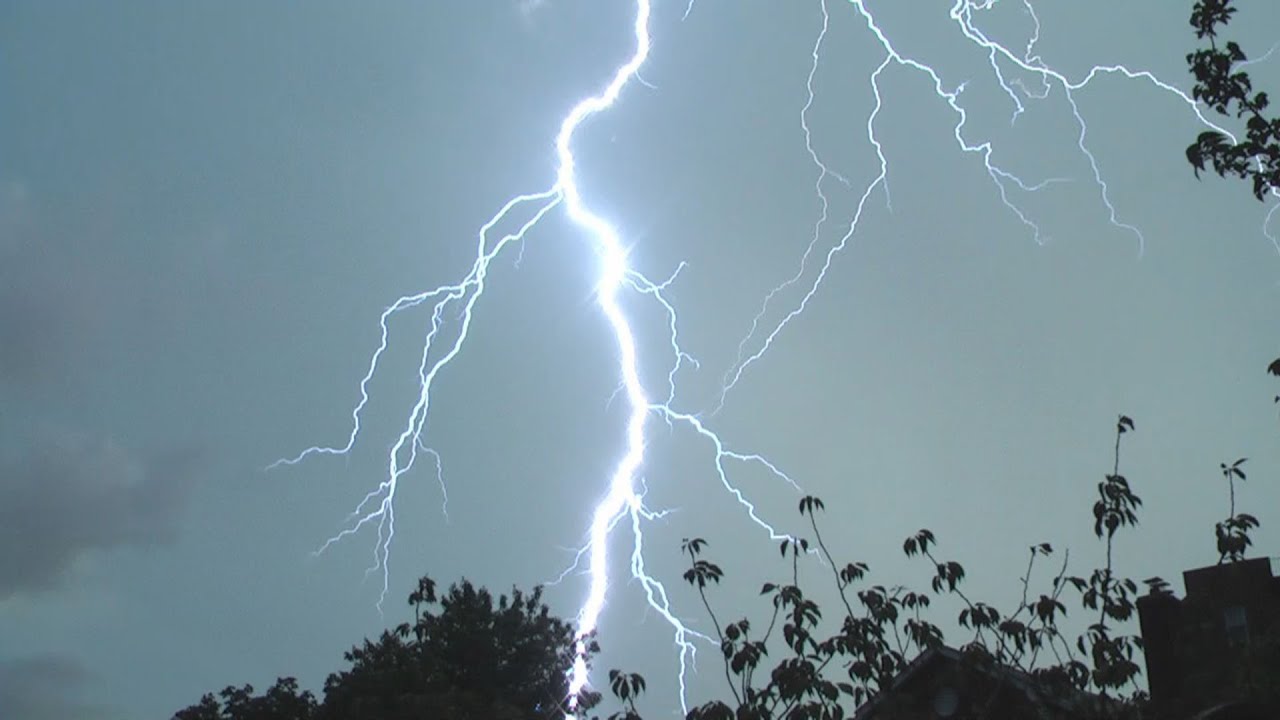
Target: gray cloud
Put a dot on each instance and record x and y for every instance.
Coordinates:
(50, 294)
(66, 496)
(45, 687)
(32, 334)
(21, 342)
(15, 214)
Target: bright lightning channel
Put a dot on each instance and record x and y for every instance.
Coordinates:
(622, 497)
(621, 500)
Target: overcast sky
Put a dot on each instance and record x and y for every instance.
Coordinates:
(205, 206)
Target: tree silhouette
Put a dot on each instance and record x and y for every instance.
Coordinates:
(1221, 85)
(467, 657)
(1233, 533)
(281, 702)
(815, 675)
(818, 675)
(464, 657)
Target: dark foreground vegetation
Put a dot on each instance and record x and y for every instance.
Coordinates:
(468, 655)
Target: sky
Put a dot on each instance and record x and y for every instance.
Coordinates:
(205, 207)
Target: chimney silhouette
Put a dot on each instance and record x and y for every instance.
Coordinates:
(1194, 645)
(1160, 616)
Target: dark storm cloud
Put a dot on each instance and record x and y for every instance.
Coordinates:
(44, 688)
(66, 496)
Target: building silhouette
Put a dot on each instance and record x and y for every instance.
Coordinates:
(944, 683)
(1213, 654)
(1209, 651)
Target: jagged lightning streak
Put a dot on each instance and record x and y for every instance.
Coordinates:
(985, 150)
(1030, 63)
(471, 288)
(824, 203)
(621, 499)
(962, 13)
(613, 273)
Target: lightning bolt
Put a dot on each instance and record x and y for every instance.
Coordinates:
(622, 500)
(624, 493)
(1001, 61)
